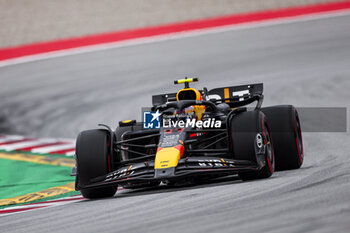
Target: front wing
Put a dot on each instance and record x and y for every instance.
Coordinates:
(187, 167)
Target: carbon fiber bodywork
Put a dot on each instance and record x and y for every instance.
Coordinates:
(205, 153)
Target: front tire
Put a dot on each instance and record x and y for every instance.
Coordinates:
(245, 129)
(93, 160)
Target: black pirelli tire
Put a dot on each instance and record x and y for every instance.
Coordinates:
(92, 156)
(246, 129)
(286, 135)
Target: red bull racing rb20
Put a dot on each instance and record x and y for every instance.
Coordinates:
(191, 136)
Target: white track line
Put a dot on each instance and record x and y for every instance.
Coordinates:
(171, 36)
(48, 149)
(20, 145)
(46, 203)
(22, 208)
(71, 153)
(10, 138)
(42, 143)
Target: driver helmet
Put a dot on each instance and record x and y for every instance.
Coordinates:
(192, 94)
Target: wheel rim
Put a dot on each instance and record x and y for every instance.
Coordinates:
(269, 149)
(299, 139)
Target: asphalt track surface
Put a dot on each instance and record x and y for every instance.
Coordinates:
(302, 63)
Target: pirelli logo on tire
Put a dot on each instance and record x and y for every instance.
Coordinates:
(259, 140)
(259, 143)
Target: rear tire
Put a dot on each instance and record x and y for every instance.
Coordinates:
(245, 129)
(92, 155)
(286, 135)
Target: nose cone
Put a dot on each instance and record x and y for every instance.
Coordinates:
(168, 157)
(164, 173)
(167, 160)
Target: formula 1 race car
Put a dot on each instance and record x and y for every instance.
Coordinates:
(191, 136)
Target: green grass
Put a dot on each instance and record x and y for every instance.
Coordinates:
(19, 178)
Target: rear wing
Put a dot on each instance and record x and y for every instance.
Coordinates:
(235, 96)
(163, 98)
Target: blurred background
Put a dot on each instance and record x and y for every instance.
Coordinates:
(60, 97)
(29, 21)
(303, 62)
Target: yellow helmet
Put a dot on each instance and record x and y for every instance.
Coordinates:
(192, 94)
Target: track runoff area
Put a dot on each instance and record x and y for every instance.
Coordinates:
(35, 170)
(46, 163)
